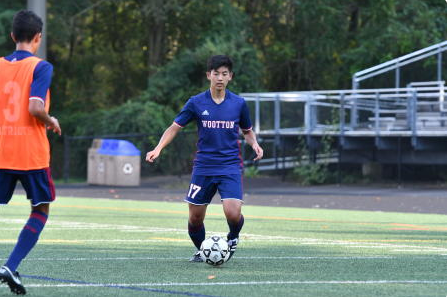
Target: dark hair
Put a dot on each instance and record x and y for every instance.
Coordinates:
(25, 25)
(215, 62)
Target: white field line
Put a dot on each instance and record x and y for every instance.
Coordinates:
(246, 238)
(183, 258)
(68, 225)
(145, 230)
(259, 283)
(81, 241)
(374, 245)
(412, 251)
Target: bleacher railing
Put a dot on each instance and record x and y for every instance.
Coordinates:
(367, 111)
(396, 64)
(414, 111)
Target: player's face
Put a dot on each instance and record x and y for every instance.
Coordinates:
(219, 78)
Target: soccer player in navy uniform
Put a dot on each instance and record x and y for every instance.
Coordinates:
(24, 147)
(219, 114)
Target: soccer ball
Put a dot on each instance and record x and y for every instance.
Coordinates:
(214, 250)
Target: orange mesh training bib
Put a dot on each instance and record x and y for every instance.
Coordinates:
(23, 139)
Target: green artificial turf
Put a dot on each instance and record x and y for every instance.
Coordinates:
(101, 247)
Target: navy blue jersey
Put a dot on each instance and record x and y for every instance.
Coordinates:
(41, 76)
(218, 150)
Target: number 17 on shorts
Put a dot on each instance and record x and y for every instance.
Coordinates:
(203, 188)
(193, 190)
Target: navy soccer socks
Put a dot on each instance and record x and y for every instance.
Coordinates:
(197, 234)
(235, 228)
(27, 239)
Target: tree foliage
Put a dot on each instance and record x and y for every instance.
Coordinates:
(7, 11)
(108, 53)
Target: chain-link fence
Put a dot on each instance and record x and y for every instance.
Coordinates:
(69, 160)
(69, 154)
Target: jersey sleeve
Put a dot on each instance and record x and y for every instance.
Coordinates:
(244, 122)
(186, 115)
(41, 81)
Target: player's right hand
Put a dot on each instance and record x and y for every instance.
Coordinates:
(152, 155)
(55, 126)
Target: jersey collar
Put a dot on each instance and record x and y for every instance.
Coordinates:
(208, 94)
(19, 55)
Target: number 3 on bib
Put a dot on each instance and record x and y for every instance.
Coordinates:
(12, 110)
(193, 190)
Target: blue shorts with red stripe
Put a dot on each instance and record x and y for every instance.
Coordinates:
(203, 188)
(38, 184)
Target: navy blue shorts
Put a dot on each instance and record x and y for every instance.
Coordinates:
(38, 185)
(203, 188)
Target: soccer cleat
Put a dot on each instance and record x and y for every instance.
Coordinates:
(12, 279)
(196, 257)
(232, 245)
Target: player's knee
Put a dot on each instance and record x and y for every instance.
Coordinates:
(233, 216)
(232, 212)
(196, 220)
(44, 208)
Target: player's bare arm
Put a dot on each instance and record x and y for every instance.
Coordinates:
(250, 138)
(37, 110)
(165, 139)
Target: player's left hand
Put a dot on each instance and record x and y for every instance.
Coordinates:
(55, 126)
(259, 152)
(152, 155)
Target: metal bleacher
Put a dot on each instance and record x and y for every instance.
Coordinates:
(394, 125)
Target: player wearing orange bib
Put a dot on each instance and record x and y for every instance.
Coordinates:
(24, 147)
